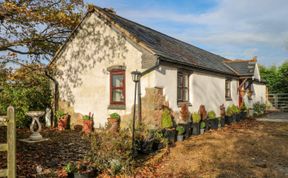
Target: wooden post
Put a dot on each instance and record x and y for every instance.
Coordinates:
(11, 139)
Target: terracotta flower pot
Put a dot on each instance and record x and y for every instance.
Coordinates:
(87, 126)
(62, 123)
(114, 124)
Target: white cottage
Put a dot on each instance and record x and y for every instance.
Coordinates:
(94, 72)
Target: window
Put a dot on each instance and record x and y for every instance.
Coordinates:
(228, 89)
(117, 87)
(182, 87)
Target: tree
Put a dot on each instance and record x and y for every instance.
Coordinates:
(32, 30)
(276, 77)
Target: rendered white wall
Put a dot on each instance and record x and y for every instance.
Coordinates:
(259, 93)
(84, 82)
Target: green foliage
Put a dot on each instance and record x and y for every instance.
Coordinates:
(259, 108)
(229, 111)
(212, 115)
(202, 125)
(166, 120)
(111, 152)
(196, 117)
(25, 90)
(59, 114)
(70, 167)
(276, 77)
(235, 109)
(115, 116)
(180, 130)
(243, 108)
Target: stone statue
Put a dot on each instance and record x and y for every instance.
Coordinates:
(48, 117)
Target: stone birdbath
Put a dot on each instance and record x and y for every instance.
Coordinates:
(36, 136)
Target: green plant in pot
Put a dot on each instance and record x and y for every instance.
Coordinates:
(62, 120)
(202, 127)
(167, 125)
(88, 123)
(195, 123)
(236, 113)
(213, 121)
(243, 111)
(180, 133)
(70, 169)
(229, 115)
(185, 119)
(114, 122)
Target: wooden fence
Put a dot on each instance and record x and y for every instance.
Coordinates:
(10, 146)
(279, 101)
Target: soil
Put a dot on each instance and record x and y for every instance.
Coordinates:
(246, 149)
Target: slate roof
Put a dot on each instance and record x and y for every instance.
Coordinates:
(243, 68)
(170, 48)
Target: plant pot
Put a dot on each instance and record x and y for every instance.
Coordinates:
(214, 123)
(222, 122)
(243, 115)
(62, 123)
(114, 125)
(180, 138)
(87, 126)
(70, 175)
(187, 129)
(234, 117)
(195, 129)
(202, 131)
(207, 124)
(238, 117)
(228, 119)
(170, 134)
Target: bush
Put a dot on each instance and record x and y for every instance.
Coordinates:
(59, 114)
(229, 111)
(112, 152)
(259, 108)
(243, 108)
(196, 117)
(211, 115)
(235, 109)
(180, 130)
(115, 116)
(166, 120)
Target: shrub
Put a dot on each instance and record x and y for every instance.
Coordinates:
(202, 125)
(59, 114)
(196, 117)
(88, 117)
(166, 121)
(243, 108)
(259, 108)
(180, 130)
(112, 152)
(235, 109)
(115, 116)
(229, 111)
(211, 115)
(70, 167)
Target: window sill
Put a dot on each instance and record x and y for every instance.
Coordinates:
(180, 103)
(228, 99)
(117, 107)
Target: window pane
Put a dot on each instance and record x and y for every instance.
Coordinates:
(179, 94)
(117, 95)
(117, 80)
(185, 98)
(179, 82)
(186, 80)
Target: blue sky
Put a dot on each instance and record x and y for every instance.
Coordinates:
(235, 29)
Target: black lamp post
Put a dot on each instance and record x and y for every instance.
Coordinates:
(136, 75)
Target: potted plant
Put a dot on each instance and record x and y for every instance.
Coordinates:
(202, 127)
(62, 120)
(184, 119)
(195, 123)
(222, 115)
(87, 123)
(167, 125)
(180, 131)
(243, 111)
(114, 122)
(229, 115)
(236, 113)
(213, 120)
